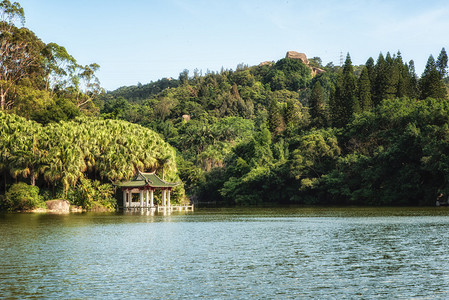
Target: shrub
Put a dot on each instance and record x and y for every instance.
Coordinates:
(22, 196)
(91, 194)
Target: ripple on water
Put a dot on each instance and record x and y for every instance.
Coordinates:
(213, 255)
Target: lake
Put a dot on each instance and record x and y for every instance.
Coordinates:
(228, 253)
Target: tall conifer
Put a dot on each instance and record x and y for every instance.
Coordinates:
(345, 101)
(403, 76)
(413, 87)
(371, 72)
(317, 109)
(431, 83)
(364, 90)
(380, 80)
(442, 63)
(392, 77)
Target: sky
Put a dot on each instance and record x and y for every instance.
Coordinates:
(139, 41)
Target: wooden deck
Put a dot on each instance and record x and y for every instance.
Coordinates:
(159, 208)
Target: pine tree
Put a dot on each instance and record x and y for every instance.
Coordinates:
(371, 72)
(345, 102)
(392, 76)
(316, 104)
(380, 80)
(364, 90)
(370, 69)
(413, 86)
(442, 63)
(431, 83)
(404, 77)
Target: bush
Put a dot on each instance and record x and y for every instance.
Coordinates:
(91, 194)
(22, 196)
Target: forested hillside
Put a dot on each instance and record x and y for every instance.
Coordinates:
(280, 133)
(292, 131)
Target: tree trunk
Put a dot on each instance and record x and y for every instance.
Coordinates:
(3, 101)
(32, 177)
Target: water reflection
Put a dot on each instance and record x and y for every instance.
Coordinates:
(227, 253)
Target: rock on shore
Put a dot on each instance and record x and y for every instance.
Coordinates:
(61, 206)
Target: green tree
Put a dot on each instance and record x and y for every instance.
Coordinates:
(392, 75)
(431, 83)
(380, 80)
(293, 114)
(371, 71)
(345, 101)
(184, 77)
(413, 86)
(276, 122)
(316, 105)
(22, 196)
(289, 74)
(59, 66)
(314, 156)
(18, 51)
(442, 63)
(364, 90)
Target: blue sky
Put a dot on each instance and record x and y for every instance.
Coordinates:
(141, 41)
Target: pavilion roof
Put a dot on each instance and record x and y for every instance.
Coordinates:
(147, 179)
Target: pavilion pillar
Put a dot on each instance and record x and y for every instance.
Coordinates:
(141, 198)
(164, 202)
(146, 198)
(168, 197)
(124, 198)
(151, 198)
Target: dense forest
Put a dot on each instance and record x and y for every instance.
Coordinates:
(292, 131)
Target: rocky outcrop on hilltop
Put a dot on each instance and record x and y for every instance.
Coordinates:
(266, 63)
(297, 55)
(303, 58)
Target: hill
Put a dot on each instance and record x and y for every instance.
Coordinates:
(281, 133)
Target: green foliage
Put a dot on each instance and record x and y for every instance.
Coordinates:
(67, 152)
(397, 157)
(317, 106)
(246, 136)
(364, 91)
(344, 102)
(91, 194)
(442, 62)
(313, 156)
(431, 83)
(249, 189)
(22, 196)
(35, 76)
(254, 135)
(60, 110)
(290, 74)
(139, 92)
(276, 122)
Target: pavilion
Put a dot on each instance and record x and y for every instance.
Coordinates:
(145, 184)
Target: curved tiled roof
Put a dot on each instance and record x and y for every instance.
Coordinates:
(147, 179)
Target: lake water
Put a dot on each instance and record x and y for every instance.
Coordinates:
(243, 253)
